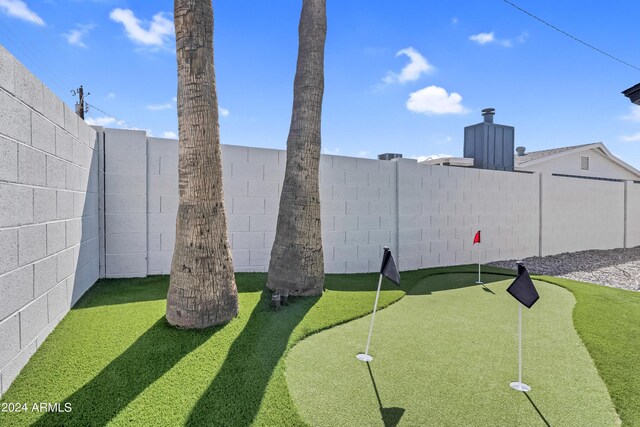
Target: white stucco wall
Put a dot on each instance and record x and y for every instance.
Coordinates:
(569, 164)
(48, 213)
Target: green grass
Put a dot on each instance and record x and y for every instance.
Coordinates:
(608, 321)
(445, 355)
(117, 362)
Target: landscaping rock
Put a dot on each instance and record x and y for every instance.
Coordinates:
(618, 268)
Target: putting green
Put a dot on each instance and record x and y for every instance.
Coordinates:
(444, 355)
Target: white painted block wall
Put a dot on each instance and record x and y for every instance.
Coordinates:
(48, 213)
(633, 214)
(580, 214)
(442, 207)
(428, 215)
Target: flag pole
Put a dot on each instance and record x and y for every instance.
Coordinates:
(366, 357)
(479, 282)
(519, 385)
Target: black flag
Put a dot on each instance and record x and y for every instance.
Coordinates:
(388, 268)
(522, 288)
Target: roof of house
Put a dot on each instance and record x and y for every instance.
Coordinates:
(535, 157)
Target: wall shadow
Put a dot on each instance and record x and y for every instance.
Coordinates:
(151, 288)
(119, 383)
(418, 282)
(390, 416)
(233, 398)
(456, 280)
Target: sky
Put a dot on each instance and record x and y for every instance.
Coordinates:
(400, 76)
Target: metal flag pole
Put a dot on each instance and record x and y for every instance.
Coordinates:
(519, 385)
(366, 357)
(479, 282)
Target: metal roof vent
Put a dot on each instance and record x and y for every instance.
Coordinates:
(488, 114)
(520, 151)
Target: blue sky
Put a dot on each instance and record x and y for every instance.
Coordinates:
(400, 76)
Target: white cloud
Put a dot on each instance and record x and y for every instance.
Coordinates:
(454, 21)
(76, 35)
(333, 152)
(158, 107)
(482, 38)
(434, 100)
(111, 95)
(223, 112)
(19, 9)
(159, 30)
(487, 38)
(175, 99)
(169, 134)
(631, 138)
(100, 121)
(417, 66)
(364, 153)
(634, 114)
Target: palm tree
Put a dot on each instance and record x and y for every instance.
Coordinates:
(297, 263)
(202, 290)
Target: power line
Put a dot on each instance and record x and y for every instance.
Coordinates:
(571, 36)
(118, 121)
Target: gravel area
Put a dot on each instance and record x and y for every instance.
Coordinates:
(618, 268)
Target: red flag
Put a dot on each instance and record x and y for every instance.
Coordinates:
(476, 239)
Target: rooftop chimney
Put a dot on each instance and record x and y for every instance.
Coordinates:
(520, 151)
(490, 144)
(488, 113)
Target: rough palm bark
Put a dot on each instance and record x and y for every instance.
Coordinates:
(202, 290)
(297, 263)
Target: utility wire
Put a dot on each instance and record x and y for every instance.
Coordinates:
(118, 121)
(571, 36)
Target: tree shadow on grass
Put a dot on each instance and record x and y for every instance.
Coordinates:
(233, 398)
(119, 383)
(390, 416)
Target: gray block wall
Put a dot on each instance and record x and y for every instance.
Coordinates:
(48, 213)
(426, 214)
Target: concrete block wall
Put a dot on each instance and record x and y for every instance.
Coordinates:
(441, 208)
(580, 214)
(48, 213)
(633, 214)
(358, 204)
(125, 199)
(427, 214)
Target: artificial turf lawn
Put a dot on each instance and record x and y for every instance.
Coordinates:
(446, 357)
(118, 363)
(608, 321)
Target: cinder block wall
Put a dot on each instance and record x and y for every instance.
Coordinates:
(580, 214)
(48, 213)
(426, 214)
(442, 207)
(633, 214)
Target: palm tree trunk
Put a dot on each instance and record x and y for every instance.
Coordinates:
(297, 263)
(202, 290)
